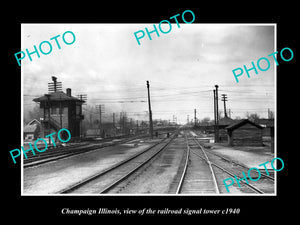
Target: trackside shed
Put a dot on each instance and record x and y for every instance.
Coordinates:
(244, 132)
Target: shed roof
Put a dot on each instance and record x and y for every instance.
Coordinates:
(30, 128)
(241, 123)
(57, 96)
(34, 121)
(266, 122)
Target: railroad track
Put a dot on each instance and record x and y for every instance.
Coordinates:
(232, 168)
(54, 154)
(106, 180)
(197, 176)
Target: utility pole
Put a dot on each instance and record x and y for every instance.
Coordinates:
(48, 105)
(224, 99)
(100, 117)
(216, 114)
(124, 123)
(195, 117)
(83, 98)
(121, 122)
(60, 113)
(114, 124)
(114, 120)
(100, 121)
(150, 112)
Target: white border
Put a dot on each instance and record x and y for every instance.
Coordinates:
(177, 195)
(22, 116)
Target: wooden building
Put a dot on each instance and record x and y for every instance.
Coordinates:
(244, 132)
(223, 123)
(270, 126)
(32, 130)
(60, 110)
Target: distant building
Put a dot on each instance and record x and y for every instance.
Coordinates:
(32, 130)
(244, 132)
(60, 110)
(270, 131)
(107, 130)
(92, 133)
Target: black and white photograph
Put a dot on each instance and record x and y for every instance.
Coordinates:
(142, 109)
(149, 111)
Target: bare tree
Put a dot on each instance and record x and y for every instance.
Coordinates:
(34, 113)
(205, 121)
(252, 116)
(270, 114)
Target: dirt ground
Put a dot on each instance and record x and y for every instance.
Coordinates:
(51, 177)
(247, 155)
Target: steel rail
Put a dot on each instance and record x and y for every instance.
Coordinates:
(112, 185)
(239, 164)
(97, 175)
(232, 175)
(210, 166)
(70, 151)
(185, 168)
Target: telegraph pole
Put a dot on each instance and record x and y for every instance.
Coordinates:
(224, 99)
(217, 114)
(195, 118)
(100, 117)
(48, 105)
(83, 98)
(60, 113)
(121, 130)
(114, 120)
(114, 124)
(100, 121)
(124, 122)
(150, 113)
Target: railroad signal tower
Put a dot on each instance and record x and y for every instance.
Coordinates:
(60, 110)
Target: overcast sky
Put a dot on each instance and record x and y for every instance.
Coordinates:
(106, 63)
